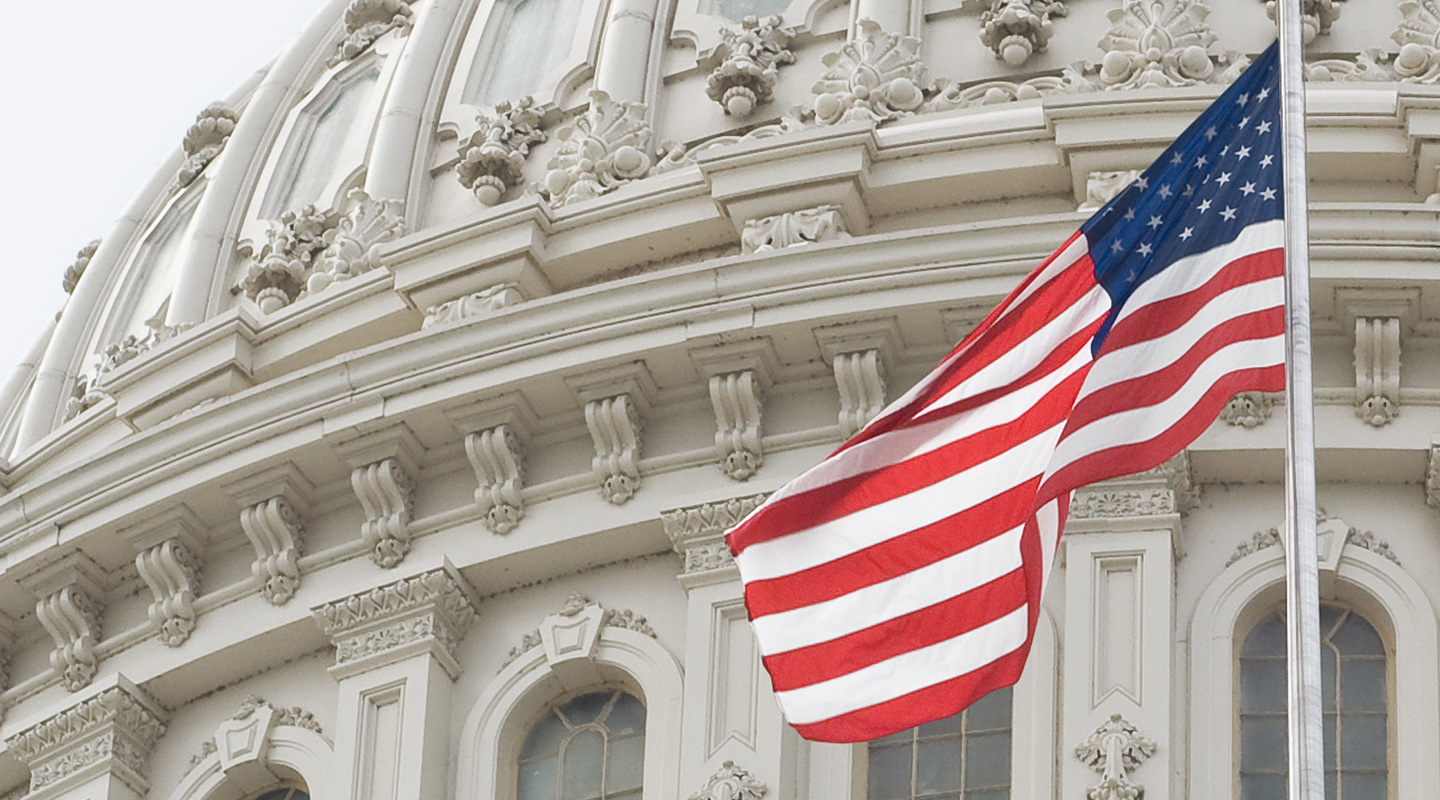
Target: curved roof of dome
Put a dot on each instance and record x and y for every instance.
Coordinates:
(404, 166)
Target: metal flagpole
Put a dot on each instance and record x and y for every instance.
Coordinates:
(1302, 575)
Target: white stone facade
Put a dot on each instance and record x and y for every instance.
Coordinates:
(396, 411)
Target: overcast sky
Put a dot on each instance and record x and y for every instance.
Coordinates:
(95, 95)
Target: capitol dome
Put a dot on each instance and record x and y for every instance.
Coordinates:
(384, 447)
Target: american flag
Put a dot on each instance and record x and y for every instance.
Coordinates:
(900, 579)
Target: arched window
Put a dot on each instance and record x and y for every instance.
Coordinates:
(589, 747)
(1356, 709)
(529, 38)
(964, 757)
(284, 793)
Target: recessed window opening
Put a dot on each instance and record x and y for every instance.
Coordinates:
(589, 747)
(964, 757)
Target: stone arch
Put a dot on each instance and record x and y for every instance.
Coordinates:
(256, 752)
(1375, 586)
(616, 656)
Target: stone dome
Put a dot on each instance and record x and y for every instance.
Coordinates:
(415, 393)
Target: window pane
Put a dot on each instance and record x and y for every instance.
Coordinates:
(1362, 684)
(1328, 724)
(889, 772)
(585, 708)
(1364, 787)
(544, 738)
(737, 10)
(1362, 741)
(1267, 639)
(1358, 638)
(1262, 743)
(1262, 686)
(626, 716)
(627, 764)
(537, 780)
(582, 767)
(987, 760)
(536, 35)
(940, 727)
(937, 768)
(991, 712)
(1262, 787)
(989, 794)
(1327, 678)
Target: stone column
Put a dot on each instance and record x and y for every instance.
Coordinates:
(734, 734)
(1122, 540)
(97, 749)
(395, 661)
(624, 60)
(893, 16)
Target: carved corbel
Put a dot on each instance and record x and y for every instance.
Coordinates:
(697, 533)
(615, 427)
(427, 613)
(739, 375)
(1248, 409)
(601, 150)
(731, 783)
(204, 141)
(793, 228)
(111, 733)
(492, 160)
(271, 506)
(70, 596)
(166, 558)
(875, 77)
(750, 65)
(858, 353)
(499, 464)
(384, 464)
(1015, 29)
(368, 20)
(1377, 369)
(1115, 750)
(1432, 476)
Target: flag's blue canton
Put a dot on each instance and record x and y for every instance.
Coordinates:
(1222, 174)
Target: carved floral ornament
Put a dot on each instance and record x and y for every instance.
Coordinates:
(1163, 43)
(750, 65)
(1366, 540)
(1316, 16)
(308, 250)
(492, 160)
(204, 141)
(578, 605)
(1015, 29)
(876, 76)
(732, 783)
(600, 151)
(368, 20)
(75, 270)
(1115, 750)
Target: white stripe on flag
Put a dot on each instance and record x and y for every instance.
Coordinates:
(907, 672)
(884, 521)
(881, 602)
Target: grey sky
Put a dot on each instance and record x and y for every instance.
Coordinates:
(95, 95)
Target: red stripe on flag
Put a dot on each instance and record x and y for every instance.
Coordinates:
(1164, 316)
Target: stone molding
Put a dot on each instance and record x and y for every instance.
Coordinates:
(1116, 749)
(113, 731)
(426, 613)
(731, 783)
(246, 731)
(1165, 490)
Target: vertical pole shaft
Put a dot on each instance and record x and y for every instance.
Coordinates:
(1302, 575)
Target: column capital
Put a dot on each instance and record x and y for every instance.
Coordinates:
(697, 533)
(426, 613)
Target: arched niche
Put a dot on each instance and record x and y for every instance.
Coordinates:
(1351, 575)
(617, 657)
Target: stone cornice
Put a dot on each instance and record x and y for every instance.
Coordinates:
(425, 613)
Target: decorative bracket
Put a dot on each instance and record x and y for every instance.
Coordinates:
(384, 465)
(271, 506)
(615, 400)
(71, 600)
(739, 375)
(499, 464)
(1377, 369)
(858, 354)
(731, 783)
(1115, 750)
(167, 562)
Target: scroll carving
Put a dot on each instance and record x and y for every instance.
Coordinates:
(276, 532)
(861, 381)
(387, 494)
(173, 574)
(1115, 750)
(1377, 369)
(498, 462)
(75, 270)
(71, 616)
(368, 20)
(793, 228)
(479, 304)
(204, 141)
(615, 429)
(737, 402)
